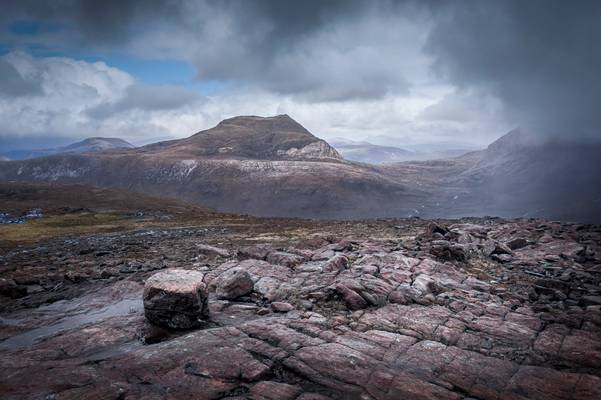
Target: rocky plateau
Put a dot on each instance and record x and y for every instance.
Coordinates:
(475, 308)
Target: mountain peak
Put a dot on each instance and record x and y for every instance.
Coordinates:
(253, 137)
(277, 124)
(512, 141)
(96, 143)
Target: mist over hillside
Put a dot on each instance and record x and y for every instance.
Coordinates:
(370, 153)
(89, 145)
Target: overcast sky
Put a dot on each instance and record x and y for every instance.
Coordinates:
(400, 72)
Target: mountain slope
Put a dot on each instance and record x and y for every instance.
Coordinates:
(53, 199)
(521, 175)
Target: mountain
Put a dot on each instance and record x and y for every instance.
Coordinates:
(415, 144)
(366, 152)
(275, 167)
(94, 144)
(250, 137)
(518, 175)
(262, 166)
(89, 145)
(370, 153)
(521, 174)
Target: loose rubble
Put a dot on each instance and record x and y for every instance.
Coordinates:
(389, 309)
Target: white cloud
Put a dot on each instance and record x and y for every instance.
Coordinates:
(81, 99)
(71, 90)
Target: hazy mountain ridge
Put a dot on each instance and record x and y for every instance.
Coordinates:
(558, 179)
(370, 153)
(273, 166)
(89, 145)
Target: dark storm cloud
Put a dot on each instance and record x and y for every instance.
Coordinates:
(275, 45)
(98, 22)
(541, 58)
(111, 21)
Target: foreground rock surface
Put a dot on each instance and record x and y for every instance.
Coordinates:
(176, 299)
(389, 309)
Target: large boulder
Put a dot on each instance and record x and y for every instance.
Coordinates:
(176, 299)
(234, 283)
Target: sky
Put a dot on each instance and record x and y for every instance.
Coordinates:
(394, 72)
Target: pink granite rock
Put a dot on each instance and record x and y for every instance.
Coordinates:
(176, 299)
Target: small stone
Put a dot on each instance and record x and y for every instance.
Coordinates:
(492, 247)
(502, 258)
(336, 264)
(312, 396)
(424, 284)
(444, 250)
(280, 306)
(234, 283)
(211, 251)
(306, 304)
(274, 391)
(353, 300)
(517, 243)
(286, 259)
(257, 252)
(105, 274)
(434, 228)
(263, 311)
(75, 277)
(9, 288)
(591, 300)
(176, 299)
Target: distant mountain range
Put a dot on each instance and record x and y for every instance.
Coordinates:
(370, 153)
(275, 167)
(366, 152)
(89, 145)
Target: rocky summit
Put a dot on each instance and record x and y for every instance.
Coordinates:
(296, 309)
